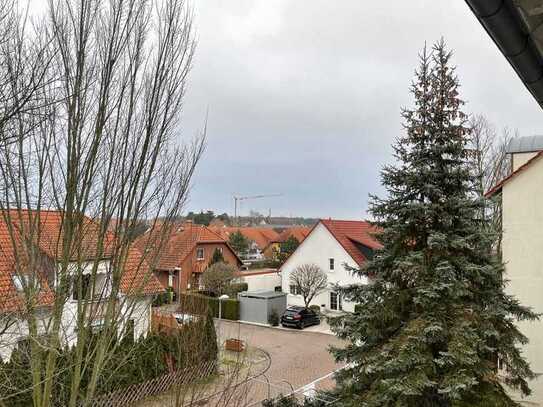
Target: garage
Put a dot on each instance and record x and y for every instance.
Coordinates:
(257, 306)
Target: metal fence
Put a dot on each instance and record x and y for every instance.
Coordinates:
(138, 392)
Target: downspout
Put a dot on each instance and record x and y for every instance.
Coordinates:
(178, 270)
(506, 26)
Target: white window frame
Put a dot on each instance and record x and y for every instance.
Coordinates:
(294, 290)
(338, 301)
(198, 249)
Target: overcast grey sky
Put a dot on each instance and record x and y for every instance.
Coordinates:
(304, 96)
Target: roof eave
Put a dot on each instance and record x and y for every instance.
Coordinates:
(504, 24)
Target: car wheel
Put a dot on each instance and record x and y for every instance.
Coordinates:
(302, 325)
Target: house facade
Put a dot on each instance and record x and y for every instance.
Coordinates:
(331, 245)
(18, 284)
(184, 254)
(521, 195)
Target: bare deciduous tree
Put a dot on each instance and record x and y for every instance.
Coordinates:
(89, 128)
(491, 164)
(310, 280)
(217, 277)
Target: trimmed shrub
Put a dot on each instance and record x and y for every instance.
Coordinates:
(236, 288)
(201, 304)
(131, 362)
(273, 318)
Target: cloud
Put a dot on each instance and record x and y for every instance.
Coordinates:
(304, 96)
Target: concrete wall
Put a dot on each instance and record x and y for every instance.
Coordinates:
(523, 256)
(317, 248)
(262, 282)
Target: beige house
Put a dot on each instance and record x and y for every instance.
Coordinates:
(522, 245)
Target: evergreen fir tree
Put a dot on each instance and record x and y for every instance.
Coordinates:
(435, 320)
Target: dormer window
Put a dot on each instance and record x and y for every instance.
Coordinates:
(200, 253)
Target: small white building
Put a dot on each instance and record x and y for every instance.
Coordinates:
(521, 194)
(331, 245)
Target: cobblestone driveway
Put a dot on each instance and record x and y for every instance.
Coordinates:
(297, 357)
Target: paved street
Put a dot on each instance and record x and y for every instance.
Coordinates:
(297, 358)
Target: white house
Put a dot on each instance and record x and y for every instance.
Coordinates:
(521, 194)
(132, 304)
(331, 245)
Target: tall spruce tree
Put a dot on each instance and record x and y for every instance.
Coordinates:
(435, 320)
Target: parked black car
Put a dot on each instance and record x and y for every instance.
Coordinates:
(299, 317)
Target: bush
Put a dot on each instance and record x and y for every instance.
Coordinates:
(131, 362)
(273, 318)
(166, 297)
(236, 288)
(315, 308)
(262, 264)
(357, 308)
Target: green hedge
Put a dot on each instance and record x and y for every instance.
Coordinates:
(236, 288)
(196, 303)
(129, 363)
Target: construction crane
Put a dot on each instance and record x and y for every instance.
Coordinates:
(239, 199)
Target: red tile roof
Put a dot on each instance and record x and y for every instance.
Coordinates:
(138, 277)
(261, 236)
(48, 234)
(350, 232)
(299, 232)
(169, 248)
(519, 170)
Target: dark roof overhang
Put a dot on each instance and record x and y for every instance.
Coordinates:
(517, 29)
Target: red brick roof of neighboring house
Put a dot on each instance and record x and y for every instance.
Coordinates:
(173, 246)
(519, 170)
(261, 236)
(49, 236)
(349, 233)
(299, 232)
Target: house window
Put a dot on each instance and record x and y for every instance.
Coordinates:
(170, 279)
(332, 264)
(295, 290)
(85, 287)
(25, 280)
(335, 302)
(200, 253)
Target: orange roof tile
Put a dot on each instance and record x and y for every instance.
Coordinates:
(350, 232)
(298, 232)
(170, 248)
(260, 235)
(49, 233)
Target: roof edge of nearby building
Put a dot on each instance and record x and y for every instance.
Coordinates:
(498, 187)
